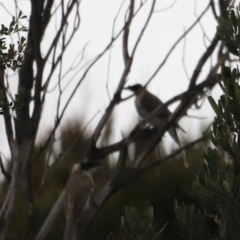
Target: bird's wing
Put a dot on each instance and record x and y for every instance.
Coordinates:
(77, 195)
(83, 194)
(151, 102)
(180, 128)
(78, 192)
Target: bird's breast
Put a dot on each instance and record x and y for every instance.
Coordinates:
(141, 111)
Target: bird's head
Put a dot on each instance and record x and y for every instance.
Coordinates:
(89, 165)
(76, 168)
(134, 88)
(84, 166)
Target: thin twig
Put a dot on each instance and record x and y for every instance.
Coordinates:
(170, 156)
(166, 8)
(183, 57)
(174, 46)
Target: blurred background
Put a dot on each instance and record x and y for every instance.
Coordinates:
(159, 186)
(169, 22)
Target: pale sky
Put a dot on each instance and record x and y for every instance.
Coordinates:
(96, 27)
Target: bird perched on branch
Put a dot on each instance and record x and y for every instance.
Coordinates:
(146, 103)
(77, 197)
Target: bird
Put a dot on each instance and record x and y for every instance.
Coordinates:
(78, 192)
(146, 103)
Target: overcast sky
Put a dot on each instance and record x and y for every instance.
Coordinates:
(96, 27)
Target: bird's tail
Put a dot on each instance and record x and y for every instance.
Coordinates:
(172, 131)
(70, 232)
(181, 128)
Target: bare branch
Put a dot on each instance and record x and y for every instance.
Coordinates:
(213, 9)
(124, 176)
(166, 8)
(183, 57)
(6, 115)
(52, 216)
(174, 46)
(144, 28)
(63, 23)
(170, 156)
(126, 33)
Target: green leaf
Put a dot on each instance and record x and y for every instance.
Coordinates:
(213, 104)
(227, 188)
(191, 213)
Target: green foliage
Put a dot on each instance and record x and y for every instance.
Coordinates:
(12, 57)
(217, 185)
(4, 104)
(228, 30)
(216, 189)
(191, 222)
(227, 121)
(135, 225)
(159, 186)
